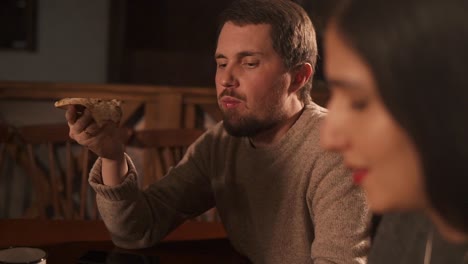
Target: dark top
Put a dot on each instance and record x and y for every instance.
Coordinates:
(401, 239)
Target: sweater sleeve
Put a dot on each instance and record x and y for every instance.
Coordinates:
(138, 219)
(340, 214)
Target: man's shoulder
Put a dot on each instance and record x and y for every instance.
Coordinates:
(315, 111)
(216, 134)
(308, 127)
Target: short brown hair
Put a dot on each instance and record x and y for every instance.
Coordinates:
(292, 32)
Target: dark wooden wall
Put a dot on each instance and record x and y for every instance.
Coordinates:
(172, 42)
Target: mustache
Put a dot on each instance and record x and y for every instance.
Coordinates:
(232, 93)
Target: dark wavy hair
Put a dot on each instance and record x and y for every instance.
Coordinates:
(292, 32)
(418, 54)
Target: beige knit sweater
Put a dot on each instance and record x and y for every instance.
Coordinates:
(290, 202)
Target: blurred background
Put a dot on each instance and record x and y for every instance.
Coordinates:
(169, 42)
(156, 55)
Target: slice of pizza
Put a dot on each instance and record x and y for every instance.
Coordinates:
(102, 110)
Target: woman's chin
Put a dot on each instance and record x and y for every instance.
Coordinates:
(380, 204)
(382, 207)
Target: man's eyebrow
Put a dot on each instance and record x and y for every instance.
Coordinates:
(240, 54)
(249, 53)
(219, 56)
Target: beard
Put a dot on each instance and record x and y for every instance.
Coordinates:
(250, 125)
(238, 125)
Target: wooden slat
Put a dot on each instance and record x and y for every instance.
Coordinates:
(128, 110)
(4, 133)
(4, 137)
(38, 182)
(70, 173)
(47, 90)
(193, 94)
(189, 116)
(37, 134)
(84, 182)
(166, 113)
(53, 180)
(44, 232)
(189, 99)
(213, 111)
(167, 137)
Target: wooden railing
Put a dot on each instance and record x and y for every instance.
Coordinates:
(164, 106)
(57, 168)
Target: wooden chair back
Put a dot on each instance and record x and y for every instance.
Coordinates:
(59, 170)
(6, 136)
(163, 149)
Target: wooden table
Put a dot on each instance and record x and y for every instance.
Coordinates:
(66, 240)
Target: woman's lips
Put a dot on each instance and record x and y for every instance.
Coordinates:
(359, 175)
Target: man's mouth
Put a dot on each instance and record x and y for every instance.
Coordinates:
(229, 102)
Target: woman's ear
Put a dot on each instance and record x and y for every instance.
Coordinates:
(301, 75)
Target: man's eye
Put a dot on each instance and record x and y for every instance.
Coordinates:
(221, 65)
(251, 64)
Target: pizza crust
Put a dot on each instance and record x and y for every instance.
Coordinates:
(102, 110)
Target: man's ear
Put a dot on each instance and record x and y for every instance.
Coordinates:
(301, 75)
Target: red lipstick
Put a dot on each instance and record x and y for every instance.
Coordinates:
(359, 175)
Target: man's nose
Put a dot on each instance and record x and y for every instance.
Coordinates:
(229, 78)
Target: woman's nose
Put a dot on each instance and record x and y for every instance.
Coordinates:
(332, 133)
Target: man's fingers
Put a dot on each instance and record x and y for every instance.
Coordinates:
(70, 114)
(82, 123)
(74, 112)
(92, 130)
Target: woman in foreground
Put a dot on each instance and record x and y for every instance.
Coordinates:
(398, 72)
